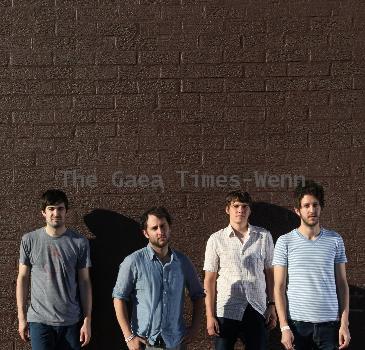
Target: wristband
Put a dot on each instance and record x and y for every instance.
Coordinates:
(269, 303)
(285, 328)
(128, 339)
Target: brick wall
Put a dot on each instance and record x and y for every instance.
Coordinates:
(180, 91)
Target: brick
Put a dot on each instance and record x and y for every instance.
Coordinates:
(213, 12)
(339, 83)
(160, 28)
(325, 25)
(116, 87)
(96, 73)
(244, 27)
(31, 58)
(42, 145)
(307, 98)
(333, 140)
(33, 87)
(285, 84)
(42, 73)
(52, 131)
(291, 24)
(79, 3)
(234, 129)
(93, 102)
(73, 87)
(308, 69)
(14, 103)
(306, 40)
(95, 131)
(351, 98)
(179, 101)
(222, 157)
(244, 55)
(140, 72)
(330, 113)
(192, 12)
(4, 58)
(220, 40)
(50, 102)
(212, 56)
(202, 85)
(293, 54)
(30, 175)
(310, 8)
(359, 82)
(159, 86)
(325, 53)
(66, 57)
(253, 70)
(116, 57)
(151, 58)
(136, 102)
(33, 117)
(209, 71)
(244, 113)
(66, 159)
(246, 84)
(177, 42)
(76, 28)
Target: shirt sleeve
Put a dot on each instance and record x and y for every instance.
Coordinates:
(84, 259)
(269, 251)
(211, 261)
(340, 257)
(24, 254)
(280, 252)
(125, 280)
(192, 280)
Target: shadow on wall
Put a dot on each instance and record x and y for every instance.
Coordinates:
(116, 237)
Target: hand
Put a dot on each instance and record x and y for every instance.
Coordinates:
(190, 334)
(135, 343)
(270, 317)
(212, 326)
(85, 332)
(287, 339)
(344, 337)
(23, 330)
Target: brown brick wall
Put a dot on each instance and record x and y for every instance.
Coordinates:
(205, 87)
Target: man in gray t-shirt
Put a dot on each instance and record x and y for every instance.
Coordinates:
(56, 261)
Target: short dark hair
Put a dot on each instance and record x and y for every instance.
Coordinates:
(160, 212)
(235, 196)
(52, 197)
(309, 187)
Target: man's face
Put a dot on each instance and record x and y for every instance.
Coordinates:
(157, 231)
(55, 215)
(238, 212)
(309, 211)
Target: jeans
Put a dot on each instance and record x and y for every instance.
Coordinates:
(46, 337)
(251, 330)
(315, 336)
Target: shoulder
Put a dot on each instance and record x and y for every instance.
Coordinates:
(331, 234)
(181, 256)
(287, 237)
(263, 232)
(32, 235)
(217, 235)
(76, 237)
(135, 256)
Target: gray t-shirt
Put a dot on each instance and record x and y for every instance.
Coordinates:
(54, 263)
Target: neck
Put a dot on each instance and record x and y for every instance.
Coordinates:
(55, 231)
(161, 252)
(241, 228)
(310, 232)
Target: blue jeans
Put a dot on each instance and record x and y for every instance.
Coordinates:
(46, 337)
(251, 330)
(315, 336)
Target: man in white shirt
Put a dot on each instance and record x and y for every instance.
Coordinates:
(238, 270)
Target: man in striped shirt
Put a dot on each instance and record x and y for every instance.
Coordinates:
(313, 307)
(238, 267)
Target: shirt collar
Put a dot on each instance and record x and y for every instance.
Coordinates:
(152, 254)
(229, 232)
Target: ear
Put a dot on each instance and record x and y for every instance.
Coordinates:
(227, 209)
(146, 234)
(297, 211)
(43, 213)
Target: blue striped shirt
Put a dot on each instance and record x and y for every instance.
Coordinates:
(311, 290)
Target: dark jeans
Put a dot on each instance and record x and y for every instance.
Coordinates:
(45, 337)
(315, 336)
(251, 330)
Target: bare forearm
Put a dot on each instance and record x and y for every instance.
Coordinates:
(269, 277)
(344, 304)
(121, 312)
(22, 288)
(210, 288)
(86, 298)
(281, 307)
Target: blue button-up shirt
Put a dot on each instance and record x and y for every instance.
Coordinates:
(157, 293)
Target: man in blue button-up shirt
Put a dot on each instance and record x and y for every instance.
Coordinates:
(154, 279)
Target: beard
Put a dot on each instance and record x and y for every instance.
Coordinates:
(159, 243)
(311, 223)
